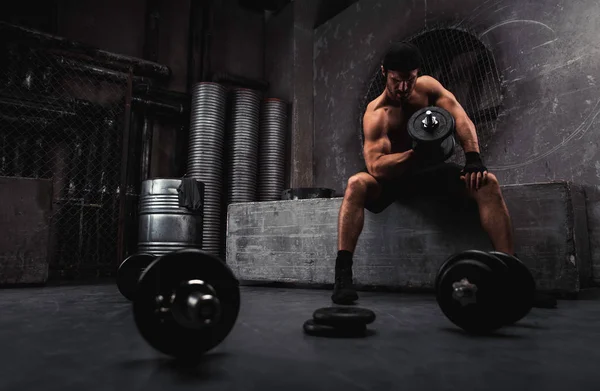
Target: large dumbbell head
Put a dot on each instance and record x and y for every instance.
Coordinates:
(187, 303)
(432, 131)
(470, 290)
(129, 273)
(522, 291)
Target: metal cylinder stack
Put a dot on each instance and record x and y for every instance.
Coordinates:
(165, 225)
(206, 156)
(242, 148)
(271, 156)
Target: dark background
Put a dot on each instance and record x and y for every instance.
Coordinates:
(321, 56)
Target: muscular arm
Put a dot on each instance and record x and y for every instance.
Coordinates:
(465, 129)
(377, 147)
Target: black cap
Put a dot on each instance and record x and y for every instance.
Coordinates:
(402, 57)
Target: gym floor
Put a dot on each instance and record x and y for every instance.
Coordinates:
(83, 338)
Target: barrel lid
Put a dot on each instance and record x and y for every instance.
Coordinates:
(164, 186)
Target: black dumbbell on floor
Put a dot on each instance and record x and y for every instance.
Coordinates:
(186, 303)
(481, 292)
(129, 273)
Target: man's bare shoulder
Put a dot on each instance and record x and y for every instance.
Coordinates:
(375, 110)
(428, 84)
(427, 80)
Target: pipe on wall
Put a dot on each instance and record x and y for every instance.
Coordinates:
(138, 66)
(195, 39)
(164, 101)
(96, 71)
(167, 108)
(124, 181)
(148, 88)
(144, 91)
(36, 107)
(206, 34)
(146, 154)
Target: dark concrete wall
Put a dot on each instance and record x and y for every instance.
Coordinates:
(547, 53)
(327, 9)
(279, 54)
(35, 14)
(238, 40)
(289, 70)
(113, 25)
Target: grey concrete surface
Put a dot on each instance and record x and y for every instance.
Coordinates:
(593, 218)
(84, 338)
(403, 247)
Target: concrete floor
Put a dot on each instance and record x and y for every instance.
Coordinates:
(84, 338)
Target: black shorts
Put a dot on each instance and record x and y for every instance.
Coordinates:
(439, 181)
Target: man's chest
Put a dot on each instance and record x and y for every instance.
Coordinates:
(397, 128)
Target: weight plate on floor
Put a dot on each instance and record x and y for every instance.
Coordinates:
(156, 289)
(470, 291)
(312, 328)
(129, 273)
(521, 284)
(343, 316)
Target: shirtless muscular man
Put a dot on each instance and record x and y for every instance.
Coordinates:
(393, 168)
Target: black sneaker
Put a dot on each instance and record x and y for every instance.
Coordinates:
(343, 291)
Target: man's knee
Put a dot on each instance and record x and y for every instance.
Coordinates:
(490, 191)
(358, 184)
(492, 183)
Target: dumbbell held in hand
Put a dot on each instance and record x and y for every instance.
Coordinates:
(187, 303)
(481, 292)
(432, 131)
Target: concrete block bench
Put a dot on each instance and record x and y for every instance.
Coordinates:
(402, 247)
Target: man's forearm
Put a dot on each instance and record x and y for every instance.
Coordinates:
(391, 166)
(467, 135)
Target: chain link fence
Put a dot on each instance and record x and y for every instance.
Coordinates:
(463, 65)
(62, 118)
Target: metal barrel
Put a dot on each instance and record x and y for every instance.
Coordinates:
(206, 156)
(271, 153)
(164, 224)
(243, 145)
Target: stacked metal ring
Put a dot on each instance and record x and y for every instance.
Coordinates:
(243, 145)
(206, 156)
(271, 156)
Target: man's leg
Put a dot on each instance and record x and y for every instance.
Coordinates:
(361, 189)
(496, 221)
(494, 215)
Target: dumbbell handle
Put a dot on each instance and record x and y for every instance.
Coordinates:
(464, 292)
(195, 305)
(430, 122)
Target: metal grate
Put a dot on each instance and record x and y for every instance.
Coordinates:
(464, 66)
(62, 118)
